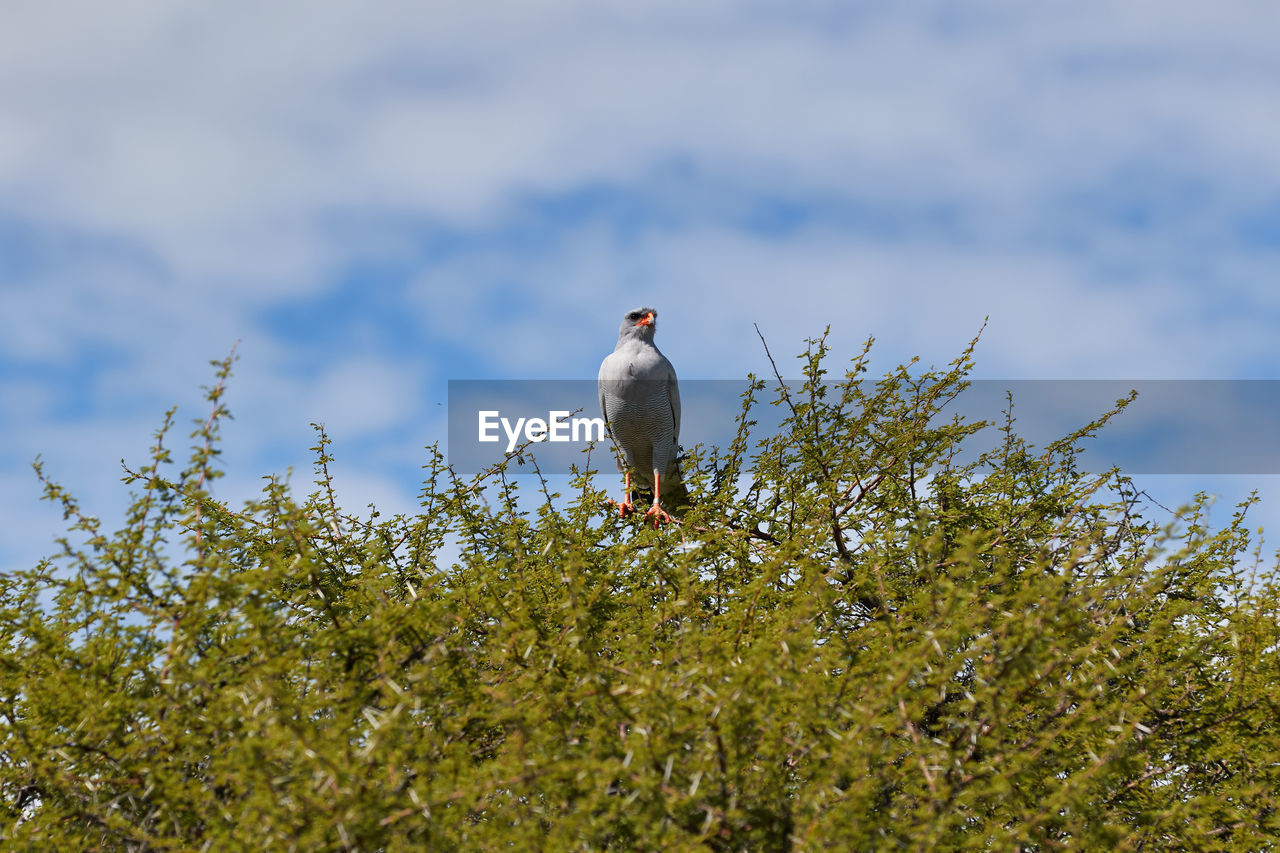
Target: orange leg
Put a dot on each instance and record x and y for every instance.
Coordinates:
(659, 514)
(625, 507)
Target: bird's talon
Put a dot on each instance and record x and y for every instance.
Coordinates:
(625, 508)
(660, 516)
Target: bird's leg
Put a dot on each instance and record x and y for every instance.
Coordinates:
(626, 507)
(659, 514)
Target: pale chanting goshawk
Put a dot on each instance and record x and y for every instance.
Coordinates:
(640, 401)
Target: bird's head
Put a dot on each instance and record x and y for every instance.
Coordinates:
(640, 321)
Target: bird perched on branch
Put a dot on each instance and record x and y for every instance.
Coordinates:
(640, 401)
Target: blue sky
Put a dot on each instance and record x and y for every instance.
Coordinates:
(374, 199)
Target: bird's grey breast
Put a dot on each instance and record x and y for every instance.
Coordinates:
(634, 394)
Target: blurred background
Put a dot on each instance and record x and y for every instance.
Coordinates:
(374, 199)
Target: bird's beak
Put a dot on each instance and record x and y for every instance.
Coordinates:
(646, 320)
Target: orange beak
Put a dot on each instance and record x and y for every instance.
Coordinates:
(646, 320)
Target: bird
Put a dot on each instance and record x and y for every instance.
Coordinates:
(640, 402)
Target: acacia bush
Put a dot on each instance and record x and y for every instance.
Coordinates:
(852, 641)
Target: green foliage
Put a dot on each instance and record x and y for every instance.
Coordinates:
(851, 642)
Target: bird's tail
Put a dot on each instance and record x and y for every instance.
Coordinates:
(676, 498)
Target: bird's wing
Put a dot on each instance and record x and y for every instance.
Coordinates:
(673, 394)
(608, 374)
(604, 411)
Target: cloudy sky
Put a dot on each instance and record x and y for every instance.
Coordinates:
(376, 198)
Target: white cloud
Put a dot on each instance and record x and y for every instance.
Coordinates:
(363, 396)
(216, 135)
